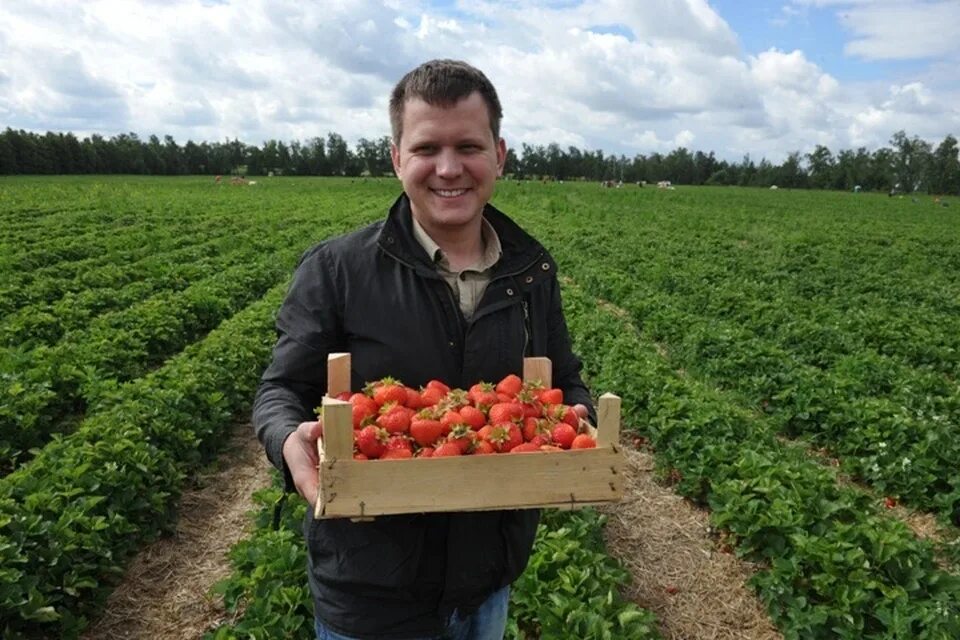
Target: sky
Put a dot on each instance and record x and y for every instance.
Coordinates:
(628, 77)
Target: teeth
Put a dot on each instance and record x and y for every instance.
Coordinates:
(449, 193)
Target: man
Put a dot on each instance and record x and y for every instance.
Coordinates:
(445, 287)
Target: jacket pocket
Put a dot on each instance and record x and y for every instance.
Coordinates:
(384, 553)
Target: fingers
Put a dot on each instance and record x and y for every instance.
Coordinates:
(581, 411)
(308, 486)
(309, 431)
(300, 454)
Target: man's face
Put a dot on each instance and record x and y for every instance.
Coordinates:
(448, 161)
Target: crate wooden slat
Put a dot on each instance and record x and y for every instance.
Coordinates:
(365, 488)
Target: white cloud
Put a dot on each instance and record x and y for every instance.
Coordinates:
(616, 75)
(897, 29)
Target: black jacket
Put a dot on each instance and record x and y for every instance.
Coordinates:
(375, 293)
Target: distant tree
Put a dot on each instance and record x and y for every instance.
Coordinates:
(153, 157)
(678, 166)
(747, 172)
(790, 174)
(822, 168)
(8, 157)
(703, 166)
(316, 151)
(944, 168)
(511, 165)
(337, 154)
(374, 156)
(173, 157)
(910, 161)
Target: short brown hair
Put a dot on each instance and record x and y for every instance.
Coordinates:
(443, 83)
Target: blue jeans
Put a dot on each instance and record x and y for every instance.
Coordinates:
(486, 623)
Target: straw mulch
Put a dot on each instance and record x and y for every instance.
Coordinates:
(678, 571)
(697, 591)
(165, 592)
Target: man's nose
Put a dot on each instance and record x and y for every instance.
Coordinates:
(448, 164)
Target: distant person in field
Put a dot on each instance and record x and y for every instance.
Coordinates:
(445, 286)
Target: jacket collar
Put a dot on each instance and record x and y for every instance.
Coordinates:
(397, 238)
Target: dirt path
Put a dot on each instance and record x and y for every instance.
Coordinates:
(165, 591)
(679, 573)
(696, 592)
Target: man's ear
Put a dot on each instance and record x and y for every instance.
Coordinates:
(395, 157)
(501, 156)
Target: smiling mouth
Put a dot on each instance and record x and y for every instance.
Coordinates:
(449, 193)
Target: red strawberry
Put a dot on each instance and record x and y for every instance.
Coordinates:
(450, 419)
(399, 441)
(482, 395)
(551, 396)
(363, 407)
(388, 390)
(447, 449)
(532, 407)
(437, 384)
(425, 431)
(425, 452)
(396, 454)
(510, 385)
(583, 441)
(431, 396)
(455, 399)
(473, 417)
(394, 418)
(505, 412)
(483, 448)
(371, 441)
(541, 439)
(463, 436)
(504, 437)
(343, 395)
(536, 428)
(562, 413)
(526, 447)
(563, 435)
(360, 456)
(414, 401)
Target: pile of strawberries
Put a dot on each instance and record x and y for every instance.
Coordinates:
(391, 420)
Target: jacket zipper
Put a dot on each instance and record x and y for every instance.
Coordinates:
(526, 327)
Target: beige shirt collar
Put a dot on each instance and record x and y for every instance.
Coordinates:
(491, 247)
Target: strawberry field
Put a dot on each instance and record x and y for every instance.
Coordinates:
(791, 358)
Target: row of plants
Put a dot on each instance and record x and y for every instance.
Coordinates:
(833, 564)
(164, 215)
(46, 322)
(894, 425)
(570, 589)
(70, 253)
(72, 517)
(49, 389)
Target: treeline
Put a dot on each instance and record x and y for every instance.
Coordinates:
(908, 164)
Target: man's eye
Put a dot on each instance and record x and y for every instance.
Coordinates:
(424, 150)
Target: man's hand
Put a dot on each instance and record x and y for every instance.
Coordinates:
(300, 454)
(581, 411)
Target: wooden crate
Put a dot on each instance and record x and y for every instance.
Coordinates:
(365, 488)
